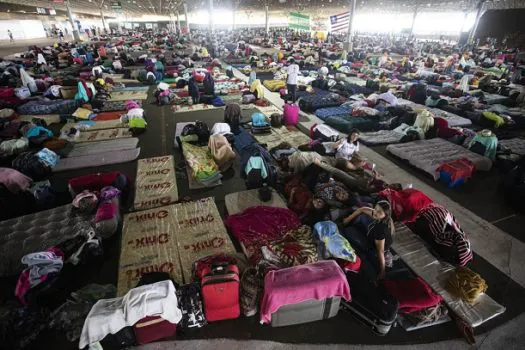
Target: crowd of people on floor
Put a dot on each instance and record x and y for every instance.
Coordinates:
(63, 104)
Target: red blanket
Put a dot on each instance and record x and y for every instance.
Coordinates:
(261, 224)
(413, 295)
(407, 203)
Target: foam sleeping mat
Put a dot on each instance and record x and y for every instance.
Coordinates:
(429, 155)
(436, 273)
(155, 183)
(492, 99)
(99, 159)
(170, 239)
(516, 145)
(289, 134)
(381, 137)
(452, 119)
(89, 148)
(36, 232)
(102, 135)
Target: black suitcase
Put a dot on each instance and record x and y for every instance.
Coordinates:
(370, 304)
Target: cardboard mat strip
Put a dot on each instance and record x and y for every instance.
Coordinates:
(170, 239)
(155, 184)
(102, 135)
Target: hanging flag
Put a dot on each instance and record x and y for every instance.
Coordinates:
(299, 21)
(340, 22)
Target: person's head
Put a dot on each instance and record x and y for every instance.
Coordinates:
(291, 60)
(382, 210)
(353, 136)
(318, 203)
(341, 194)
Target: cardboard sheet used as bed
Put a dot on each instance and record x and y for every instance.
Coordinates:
(101, 135)
(289, 134)
(128, 95)
(155, 183)
(96, 125)
(170, 239)
(436, 273)
(429, 155)
(238, 202)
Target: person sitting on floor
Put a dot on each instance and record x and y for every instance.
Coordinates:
(347, 152)
(370, 233)
(193, 90)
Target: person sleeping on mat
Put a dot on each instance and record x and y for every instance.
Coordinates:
(370, 232)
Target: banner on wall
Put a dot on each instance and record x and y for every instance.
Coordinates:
(299, 21)
(319, 23)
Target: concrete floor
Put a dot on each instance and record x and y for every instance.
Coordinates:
(500, 257)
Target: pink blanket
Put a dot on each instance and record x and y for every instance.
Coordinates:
(293, 285)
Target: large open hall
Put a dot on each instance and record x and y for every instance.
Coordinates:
(262, 174)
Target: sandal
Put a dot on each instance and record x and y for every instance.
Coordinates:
(466, 331)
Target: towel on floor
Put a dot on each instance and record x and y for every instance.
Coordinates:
(108, 316)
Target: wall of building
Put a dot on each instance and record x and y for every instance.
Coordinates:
(22, 29)
(503, 23)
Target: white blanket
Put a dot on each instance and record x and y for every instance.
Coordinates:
(108, 316)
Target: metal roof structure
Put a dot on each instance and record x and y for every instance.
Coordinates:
(165, 7)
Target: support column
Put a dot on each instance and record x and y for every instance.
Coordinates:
(348, 45)
(478, 17)
(267, 20)
(210, 11)
(178, 22)
(187, 20)
(413, 21)
(104, 24)
(76, 36)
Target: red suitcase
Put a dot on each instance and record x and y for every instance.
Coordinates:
(152, 328)
(220, 292)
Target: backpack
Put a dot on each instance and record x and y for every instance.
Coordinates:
(190, 303)
(203, 132)
(248, 98)
(189, 129)
(276, 120)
